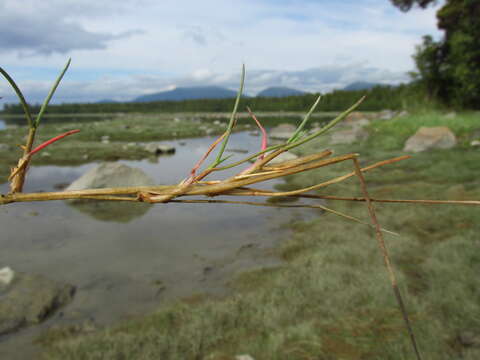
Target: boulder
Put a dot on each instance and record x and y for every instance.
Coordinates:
(386, 115)
(348, 136)
(355, 119)
(469, 339)
(451, 115)
(355, 116)
(282, 132)
(159, 149)
(6, 276)
(439, 137)
(111, 175)
(244, 357)
(4, 147)
(29, 299)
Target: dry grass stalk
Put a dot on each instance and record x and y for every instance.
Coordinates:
(386, 258)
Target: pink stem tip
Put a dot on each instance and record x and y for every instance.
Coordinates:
(52, 140)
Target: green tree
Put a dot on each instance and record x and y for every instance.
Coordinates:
(449, 69)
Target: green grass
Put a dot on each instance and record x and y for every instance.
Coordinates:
(331, 298)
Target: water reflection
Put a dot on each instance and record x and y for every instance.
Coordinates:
(116, 263)
(121, 212)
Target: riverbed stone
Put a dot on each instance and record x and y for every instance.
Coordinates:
(438, 137)
(244, 357)
(282, 132)
(469, 338)
(111, 175)
(6, 276)
(451, 115)
(348, 136)
(29, 299)
(159, 149)
(354, 117)
(386, 115)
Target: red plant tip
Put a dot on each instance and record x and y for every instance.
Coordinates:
(262, 129)
(52, 140)
(203, 158)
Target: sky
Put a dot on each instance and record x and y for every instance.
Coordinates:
(123, 49)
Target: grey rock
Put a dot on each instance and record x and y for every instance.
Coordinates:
(475, 143)
(386, 115)
(111, 175)
(244, 357)
(105, 139)
(355, 117)
(282, 132)
(451, 115)
(6, 276)
(29, 299)
(469, 339)
(439, 137)
(348, 136)
(166, 149)
(158, 149)
(403, 113)
(4, 147)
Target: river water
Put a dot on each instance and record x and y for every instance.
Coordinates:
(128, 265)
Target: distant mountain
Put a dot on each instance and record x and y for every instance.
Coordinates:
(107, 101)
(187, 93)
(360, 85)
(279, 91)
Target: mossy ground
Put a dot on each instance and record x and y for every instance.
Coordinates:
(331, 299)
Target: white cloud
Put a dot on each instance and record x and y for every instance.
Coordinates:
(147, 45)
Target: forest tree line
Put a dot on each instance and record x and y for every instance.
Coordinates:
(377, 98)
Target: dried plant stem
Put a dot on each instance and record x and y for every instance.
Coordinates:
(404, 201)
(233, 186)
(304, 206)
(19, 172)
(259, 192)
(386, 258)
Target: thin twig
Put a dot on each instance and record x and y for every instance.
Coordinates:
(254, 203)
(386, 257)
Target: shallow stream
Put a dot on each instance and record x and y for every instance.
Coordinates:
(126, 266)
